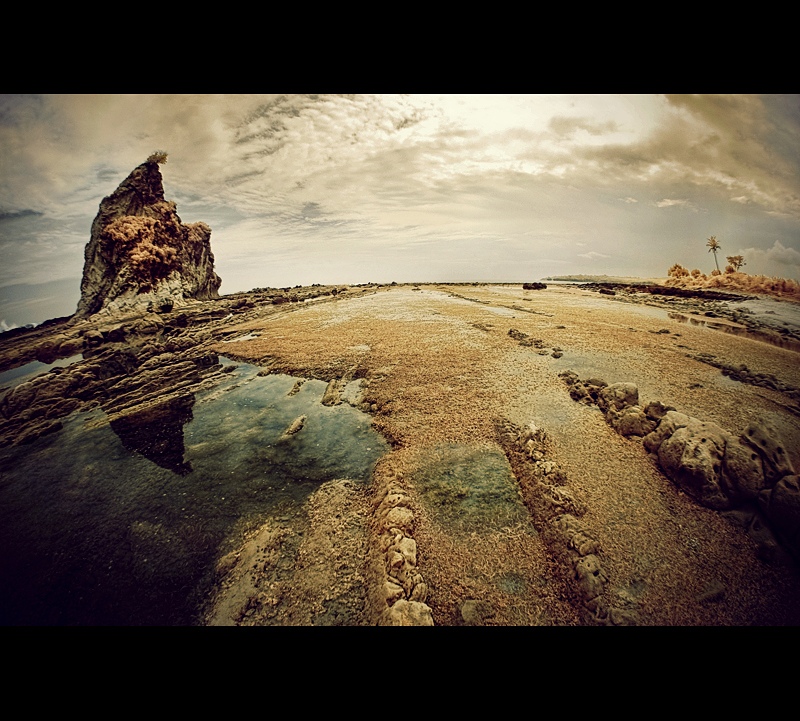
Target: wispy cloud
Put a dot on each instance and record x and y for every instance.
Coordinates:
(670, 202)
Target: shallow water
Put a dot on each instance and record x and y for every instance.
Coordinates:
(724, 327)
(16, 376)
(469, 489)
(120, 524)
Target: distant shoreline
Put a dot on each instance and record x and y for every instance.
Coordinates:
(628, 280)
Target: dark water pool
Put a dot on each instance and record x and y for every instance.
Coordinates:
(121, 524)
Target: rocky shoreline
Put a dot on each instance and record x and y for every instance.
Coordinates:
(438, 366)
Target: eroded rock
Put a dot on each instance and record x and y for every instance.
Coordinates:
(766, 439)
(782, 506)
(692, 457)
(140, 255)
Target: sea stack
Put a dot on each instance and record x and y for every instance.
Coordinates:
(140, 255)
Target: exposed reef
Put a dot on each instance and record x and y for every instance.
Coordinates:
(751, 474)
(486, 497)
(556, 513)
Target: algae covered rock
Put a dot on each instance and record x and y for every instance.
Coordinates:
(141, 255)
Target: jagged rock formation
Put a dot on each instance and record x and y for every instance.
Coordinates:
(140, 254)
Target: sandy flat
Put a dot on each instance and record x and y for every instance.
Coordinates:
(439, 369)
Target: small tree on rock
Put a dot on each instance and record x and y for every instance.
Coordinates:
(159, 157)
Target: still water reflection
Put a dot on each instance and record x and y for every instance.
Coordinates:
(120, 523)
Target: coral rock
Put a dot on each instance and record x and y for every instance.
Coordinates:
(692, 457)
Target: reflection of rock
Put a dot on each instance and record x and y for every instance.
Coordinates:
(30, 409)
(156, 431)
(140, 255)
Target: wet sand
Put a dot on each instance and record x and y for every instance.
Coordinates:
(438, 371)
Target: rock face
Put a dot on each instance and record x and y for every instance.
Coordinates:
(140, 254)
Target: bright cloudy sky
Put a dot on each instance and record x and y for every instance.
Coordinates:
(302, 189)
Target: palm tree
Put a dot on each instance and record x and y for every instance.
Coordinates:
(714, 246)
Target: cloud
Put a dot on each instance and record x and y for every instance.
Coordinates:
(569, 125)
(368, 174)
(730, 145)
(678, 203)
(13, 214)
(779, 254)
(777, 261)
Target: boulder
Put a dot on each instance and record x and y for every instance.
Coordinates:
(782, 507)
(407, 613)
(692, 457)
(672, 421)
(618, 396)
(633, 421)
(742, 471)
(766, 439)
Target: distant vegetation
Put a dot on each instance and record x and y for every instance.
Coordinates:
(732, 278)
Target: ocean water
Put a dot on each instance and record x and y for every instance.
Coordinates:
(121, 523)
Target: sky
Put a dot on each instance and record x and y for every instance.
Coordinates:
(303, 189)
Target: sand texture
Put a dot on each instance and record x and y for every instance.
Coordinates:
(470, 454)
(444, 381)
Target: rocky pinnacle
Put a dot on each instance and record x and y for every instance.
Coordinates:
(140, 253)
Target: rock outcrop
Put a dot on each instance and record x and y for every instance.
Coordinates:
(724, 472)
(141, 255)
